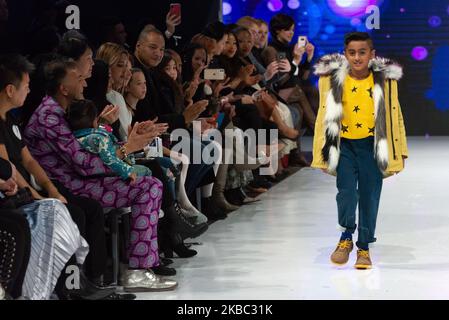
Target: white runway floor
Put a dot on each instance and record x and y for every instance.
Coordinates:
(279, 248)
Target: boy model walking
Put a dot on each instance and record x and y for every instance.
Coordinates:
(359, 137)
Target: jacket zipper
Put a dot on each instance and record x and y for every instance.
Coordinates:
(391, 119)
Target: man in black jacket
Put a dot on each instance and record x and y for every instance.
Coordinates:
(148, 53)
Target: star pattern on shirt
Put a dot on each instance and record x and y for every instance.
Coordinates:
(359, 124)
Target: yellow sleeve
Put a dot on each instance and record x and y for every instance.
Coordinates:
(403, 133)
(401, 125)
(319, 136)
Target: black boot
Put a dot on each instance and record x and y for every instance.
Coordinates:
(234, 196)
(182, 225)
(178, 247)
(165, 261)
(211, 210)
(163, 271)
(183, 252)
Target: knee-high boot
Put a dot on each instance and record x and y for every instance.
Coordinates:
(218, 190)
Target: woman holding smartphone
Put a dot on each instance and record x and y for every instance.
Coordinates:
(290, 88)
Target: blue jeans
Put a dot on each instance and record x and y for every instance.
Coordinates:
(359, 181)
(166, 165)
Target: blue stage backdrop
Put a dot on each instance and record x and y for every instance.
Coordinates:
(414, 33)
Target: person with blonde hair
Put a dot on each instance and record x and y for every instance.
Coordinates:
(263, 34)
(119, 61)
(252, 25)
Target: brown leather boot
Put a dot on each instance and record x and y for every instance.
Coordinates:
(341, 254)
(363, 260)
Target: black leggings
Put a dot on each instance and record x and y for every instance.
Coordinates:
(15, 247)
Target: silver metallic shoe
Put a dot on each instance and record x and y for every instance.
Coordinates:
(2, 293)
(145, 281)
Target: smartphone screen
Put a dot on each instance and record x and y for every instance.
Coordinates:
(214, 74)
(302, 41)
(281, 56)
(175, 9)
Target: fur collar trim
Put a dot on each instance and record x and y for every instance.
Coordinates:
(336, 62)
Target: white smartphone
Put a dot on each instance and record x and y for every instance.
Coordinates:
(214, 74)
(302, 41)
(154, 149)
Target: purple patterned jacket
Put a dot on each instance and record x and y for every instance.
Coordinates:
(52, 143)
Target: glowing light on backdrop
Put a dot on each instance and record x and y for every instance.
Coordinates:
(419, 53)
(350, 8)
(344, 3)
(275, 5)
(294, 4)
(435, 21)
(227, 8)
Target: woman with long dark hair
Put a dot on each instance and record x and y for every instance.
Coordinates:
(194, 62)
(171, 92)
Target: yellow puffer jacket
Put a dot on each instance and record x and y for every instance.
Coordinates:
(394, 123)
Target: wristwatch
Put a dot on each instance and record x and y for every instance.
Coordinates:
(123, 151)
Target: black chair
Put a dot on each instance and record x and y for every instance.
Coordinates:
(117, 218)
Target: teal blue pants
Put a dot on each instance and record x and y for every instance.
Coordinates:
(359, 182)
